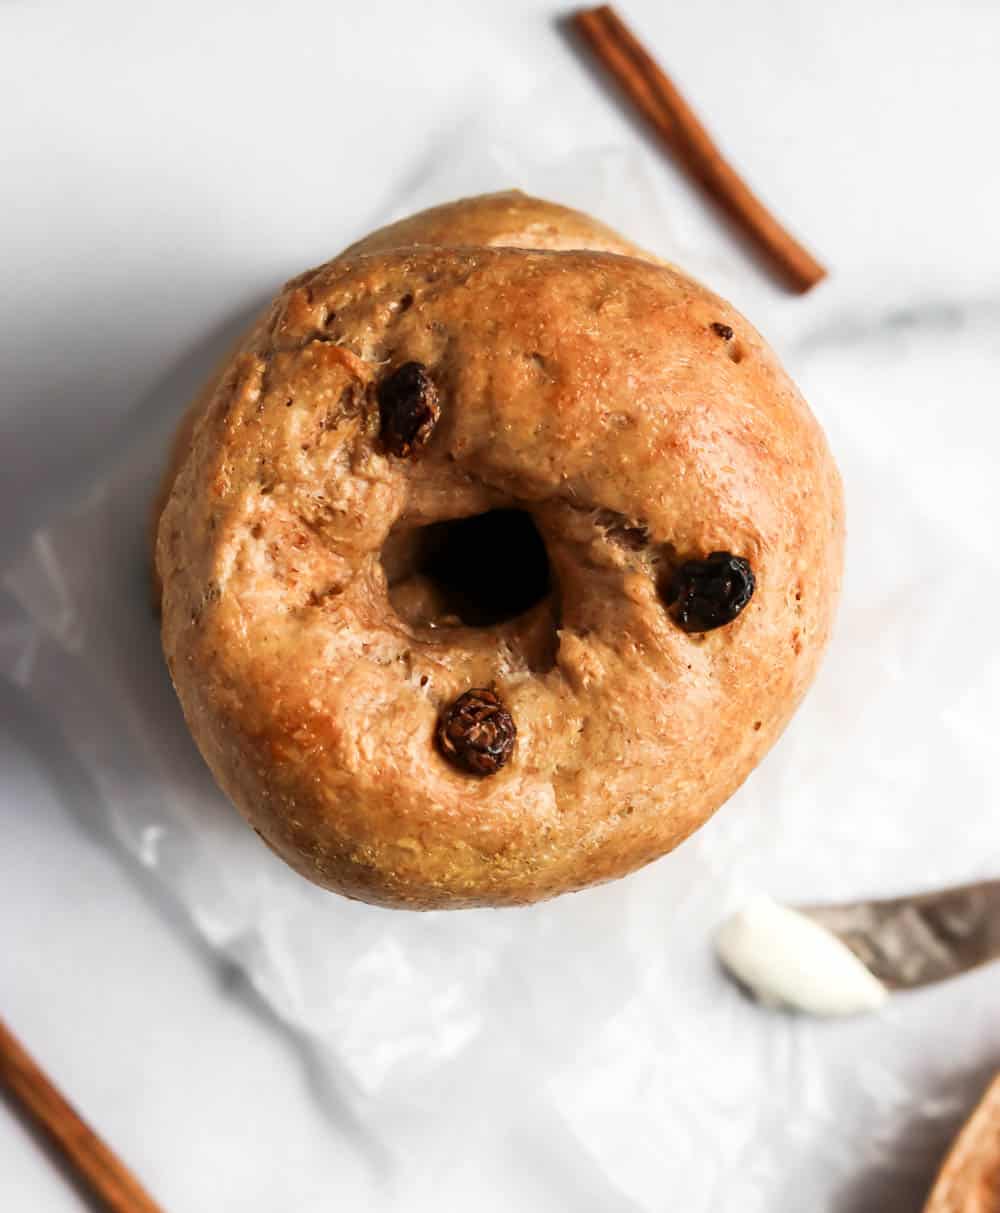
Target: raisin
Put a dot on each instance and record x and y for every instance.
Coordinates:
(709, 593)
(476, 734)
(408, 409)
(725, 331)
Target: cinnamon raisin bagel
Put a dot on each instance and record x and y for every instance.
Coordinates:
(494, 559)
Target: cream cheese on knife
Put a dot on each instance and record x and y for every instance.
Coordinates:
(786, 959)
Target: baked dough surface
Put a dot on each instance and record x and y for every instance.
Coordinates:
(579, 382)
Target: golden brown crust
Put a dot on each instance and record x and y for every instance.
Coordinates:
(179, 447)
(506, 219)
(969, 1181)
(586, 387)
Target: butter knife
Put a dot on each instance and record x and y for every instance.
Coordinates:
(847, 959)
(914, 941)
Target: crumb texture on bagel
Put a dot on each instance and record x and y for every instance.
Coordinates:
(493, 448)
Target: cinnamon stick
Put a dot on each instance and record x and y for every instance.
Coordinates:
(98, 1169)
(679, 129)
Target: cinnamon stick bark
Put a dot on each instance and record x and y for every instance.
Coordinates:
(103, 1174)
(678, 128)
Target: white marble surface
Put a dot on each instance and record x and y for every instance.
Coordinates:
(160, 170)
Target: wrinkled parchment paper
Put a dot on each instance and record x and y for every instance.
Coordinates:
(603, 1015)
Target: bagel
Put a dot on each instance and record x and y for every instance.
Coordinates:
(493, 560)
(969, 1178)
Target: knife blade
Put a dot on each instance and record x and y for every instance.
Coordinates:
(907, 942)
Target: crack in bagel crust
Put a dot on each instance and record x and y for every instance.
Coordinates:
(579, 383)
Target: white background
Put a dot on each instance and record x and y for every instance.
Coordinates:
(163, 168)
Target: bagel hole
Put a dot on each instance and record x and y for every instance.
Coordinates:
(477, 572)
